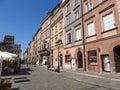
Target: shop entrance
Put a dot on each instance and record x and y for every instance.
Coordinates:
(106, 63)
(116, 51)
(61, 60)
(79, 59)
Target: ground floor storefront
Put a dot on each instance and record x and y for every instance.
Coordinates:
(74, 59)
(55, 57)
(44, 56)
(103, 55)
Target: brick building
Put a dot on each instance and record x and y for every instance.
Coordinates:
(9, 45)
(101, 20)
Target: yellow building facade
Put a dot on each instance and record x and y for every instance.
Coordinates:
(56, 35)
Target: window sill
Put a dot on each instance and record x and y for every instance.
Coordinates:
(78, 40)
(67, 14)
(91, 36)
(68, 43)
(109, 30)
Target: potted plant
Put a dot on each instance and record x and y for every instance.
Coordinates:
(5, 84)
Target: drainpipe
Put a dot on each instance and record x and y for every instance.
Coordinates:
(83, 37)
(50, 41)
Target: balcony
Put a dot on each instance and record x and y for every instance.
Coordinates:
(44, 52)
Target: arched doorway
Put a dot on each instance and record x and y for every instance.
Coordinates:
(79, 59)
(61, 60)
(117, 57)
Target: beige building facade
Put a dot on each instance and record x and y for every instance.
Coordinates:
(56, 35)
(45, 40)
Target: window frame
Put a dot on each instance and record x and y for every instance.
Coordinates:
(78, 34)
(91, 30)
(108, 25)
(69, 38)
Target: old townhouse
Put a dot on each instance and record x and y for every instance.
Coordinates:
(9, 45)
(31, 51)
(101, 20)
(37, 44)
(25, 55)
(73, 49)
(57, 36)
(45, 39)
(89, 32)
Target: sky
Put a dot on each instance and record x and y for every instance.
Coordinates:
(22, 18)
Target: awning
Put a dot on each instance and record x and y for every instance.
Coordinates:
(7, 55)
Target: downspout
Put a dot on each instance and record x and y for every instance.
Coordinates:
(83, 36)
(50, 42)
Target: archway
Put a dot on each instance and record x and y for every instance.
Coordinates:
(79, 59)
(116, 51)
(61, 60)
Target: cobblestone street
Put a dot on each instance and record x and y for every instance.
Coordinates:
(39, 78)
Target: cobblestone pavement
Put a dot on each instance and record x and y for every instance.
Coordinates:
(107, 80)
(39, 78)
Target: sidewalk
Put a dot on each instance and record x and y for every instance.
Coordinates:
(109, 80)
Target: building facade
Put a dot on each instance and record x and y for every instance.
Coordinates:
(8, 45)
(38, 46)
(45, 39)
(90, 34)
(101, 20)
(57, 35)
(73, 49)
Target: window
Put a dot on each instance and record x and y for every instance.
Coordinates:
(56, 40)
(48, 22)
(92, 56)
(48, 45)
(77, 1)
(61, 25)
(76, 15)
(61, 36)
(108, 22)
(56, 29)
(67, 58)
(52, 31)
(88, 6)
(91, 30)
(102, 1)
(52, 42)
(68, 7)
(78, 34)
(68, 38)
(48, 33)
(68, 20)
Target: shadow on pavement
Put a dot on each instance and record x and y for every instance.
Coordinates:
(15, 89)
(21, 81)
(20, 78)
(23, 71)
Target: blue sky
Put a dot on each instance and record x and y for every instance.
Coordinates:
(22, 18)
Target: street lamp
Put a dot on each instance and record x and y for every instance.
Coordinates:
(58, 43)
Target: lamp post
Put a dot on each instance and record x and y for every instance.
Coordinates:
(58, 43)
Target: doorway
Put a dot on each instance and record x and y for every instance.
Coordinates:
(61, 60)
(116, 51)
(106, 63)
(79, 58)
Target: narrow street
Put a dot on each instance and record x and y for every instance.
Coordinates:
(39, 78)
